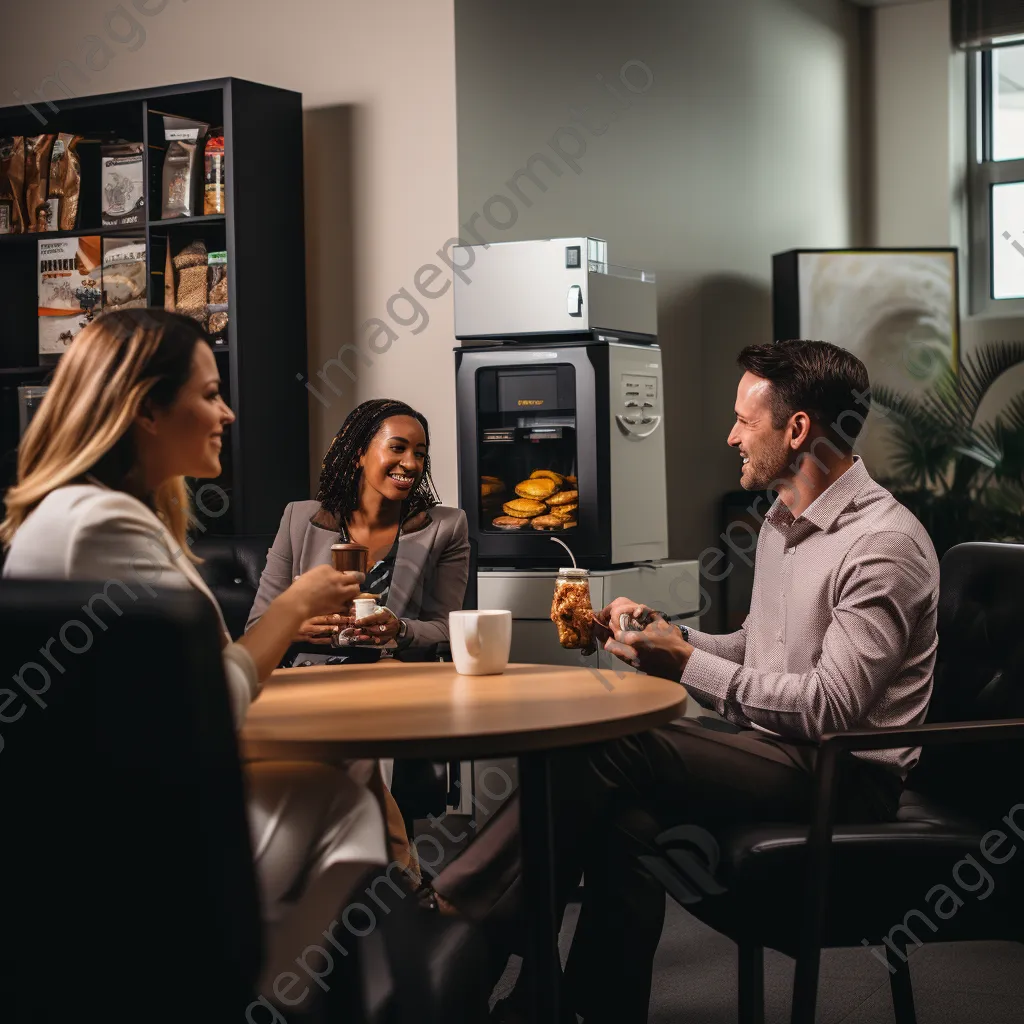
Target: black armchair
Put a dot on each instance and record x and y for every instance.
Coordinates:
(126, 846)
(798, 892)
(129, 879)
(232, 567)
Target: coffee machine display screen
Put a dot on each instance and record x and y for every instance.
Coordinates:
(527, 449)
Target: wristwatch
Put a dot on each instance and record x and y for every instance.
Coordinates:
(403, 628)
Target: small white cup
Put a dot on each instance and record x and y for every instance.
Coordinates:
(480, 641)
(365, 606)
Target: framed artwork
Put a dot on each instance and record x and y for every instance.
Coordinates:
(897, 309)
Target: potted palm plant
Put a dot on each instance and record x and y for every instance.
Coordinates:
(962, 477)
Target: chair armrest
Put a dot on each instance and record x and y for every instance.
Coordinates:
(819, 840)
(920, 735)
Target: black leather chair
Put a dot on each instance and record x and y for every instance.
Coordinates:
(129, 882)
(797, 891)
(128, 877)
(232, 567)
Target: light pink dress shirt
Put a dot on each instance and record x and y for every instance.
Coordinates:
(842, 626)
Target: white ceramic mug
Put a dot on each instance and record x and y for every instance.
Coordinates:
(480, 641)
(365, 607)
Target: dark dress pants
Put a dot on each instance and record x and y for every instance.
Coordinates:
(611, 802)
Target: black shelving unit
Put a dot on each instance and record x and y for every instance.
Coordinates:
(265, 460)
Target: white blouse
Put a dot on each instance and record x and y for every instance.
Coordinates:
(91, 532)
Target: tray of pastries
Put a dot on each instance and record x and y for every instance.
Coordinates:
(545, 501)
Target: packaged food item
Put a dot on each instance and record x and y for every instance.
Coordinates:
(190, 289)
(70, 292)
(12, 185)
(213, 177)
(124, 273)
(37, 181)
(30, 397)
(571, 611)
(169, 282)
(180, 182)
(65, 183)
(217, 294)
(122, 183)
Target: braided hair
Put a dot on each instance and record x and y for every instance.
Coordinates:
(338, 492)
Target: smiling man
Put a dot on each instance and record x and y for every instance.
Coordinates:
(841, 635)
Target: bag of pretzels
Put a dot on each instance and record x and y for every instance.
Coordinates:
(65, 183)
(38, 149)
(12, 185)
(181, 191)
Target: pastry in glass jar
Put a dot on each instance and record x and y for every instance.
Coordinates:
(571, 610)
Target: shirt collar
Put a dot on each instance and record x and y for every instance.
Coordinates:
(828, 506)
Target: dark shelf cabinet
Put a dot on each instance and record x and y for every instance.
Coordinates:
(265, 460)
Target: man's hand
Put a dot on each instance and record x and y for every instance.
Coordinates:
(610, 614)
(659, 650)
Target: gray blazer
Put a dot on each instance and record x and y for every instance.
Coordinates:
(429, 581)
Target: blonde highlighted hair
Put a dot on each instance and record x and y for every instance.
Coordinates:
(83, 425)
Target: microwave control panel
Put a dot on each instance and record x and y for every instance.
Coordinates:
(639, 395)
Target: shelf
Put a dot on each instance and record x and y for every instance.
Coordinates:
(113, 229)
(24, 371)
(209, 218)
(46, 236)
(266, 465)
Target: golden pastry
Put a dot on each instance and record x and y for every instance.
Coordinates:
(536, 487)
(490, 479)
(487, 488)
(524, 508)
(571, 480)
(548, 474)
(547, 523)
(510, 523)
(568, 524)
(564, 511)
(572, 613)
(565, 498)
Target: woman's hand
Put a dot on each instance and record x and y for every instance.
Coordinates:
(324, 591)
(320, 629)
(381, 627)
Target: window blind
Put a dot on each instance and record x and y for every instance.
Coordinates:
(986, 24)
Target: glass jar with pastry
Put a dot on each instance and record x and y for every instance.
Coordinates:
(571, 610)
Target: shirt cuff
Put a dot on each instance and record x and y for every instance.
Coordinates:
(710, 675)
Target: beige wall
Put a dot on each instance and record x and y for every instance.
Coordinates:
(919, 139)
(743, 145)
(378, 82)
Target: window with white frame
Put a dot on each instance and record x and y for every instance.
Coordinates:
(996, 180)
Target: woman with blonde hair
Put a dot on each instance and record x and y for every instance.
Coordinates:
(134, 408)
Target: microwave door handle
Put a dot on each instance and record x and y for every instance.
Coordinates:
(627, 428)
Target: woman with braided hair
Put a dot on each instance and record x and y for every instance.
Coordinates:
(375, 489)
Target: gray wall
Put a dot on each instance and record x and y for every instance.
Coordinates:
(738, 144)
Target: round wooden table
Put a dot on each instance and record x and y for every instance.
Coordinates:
(408, 709)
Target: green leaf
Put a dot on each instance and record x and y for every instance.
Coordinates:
(980, 369)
